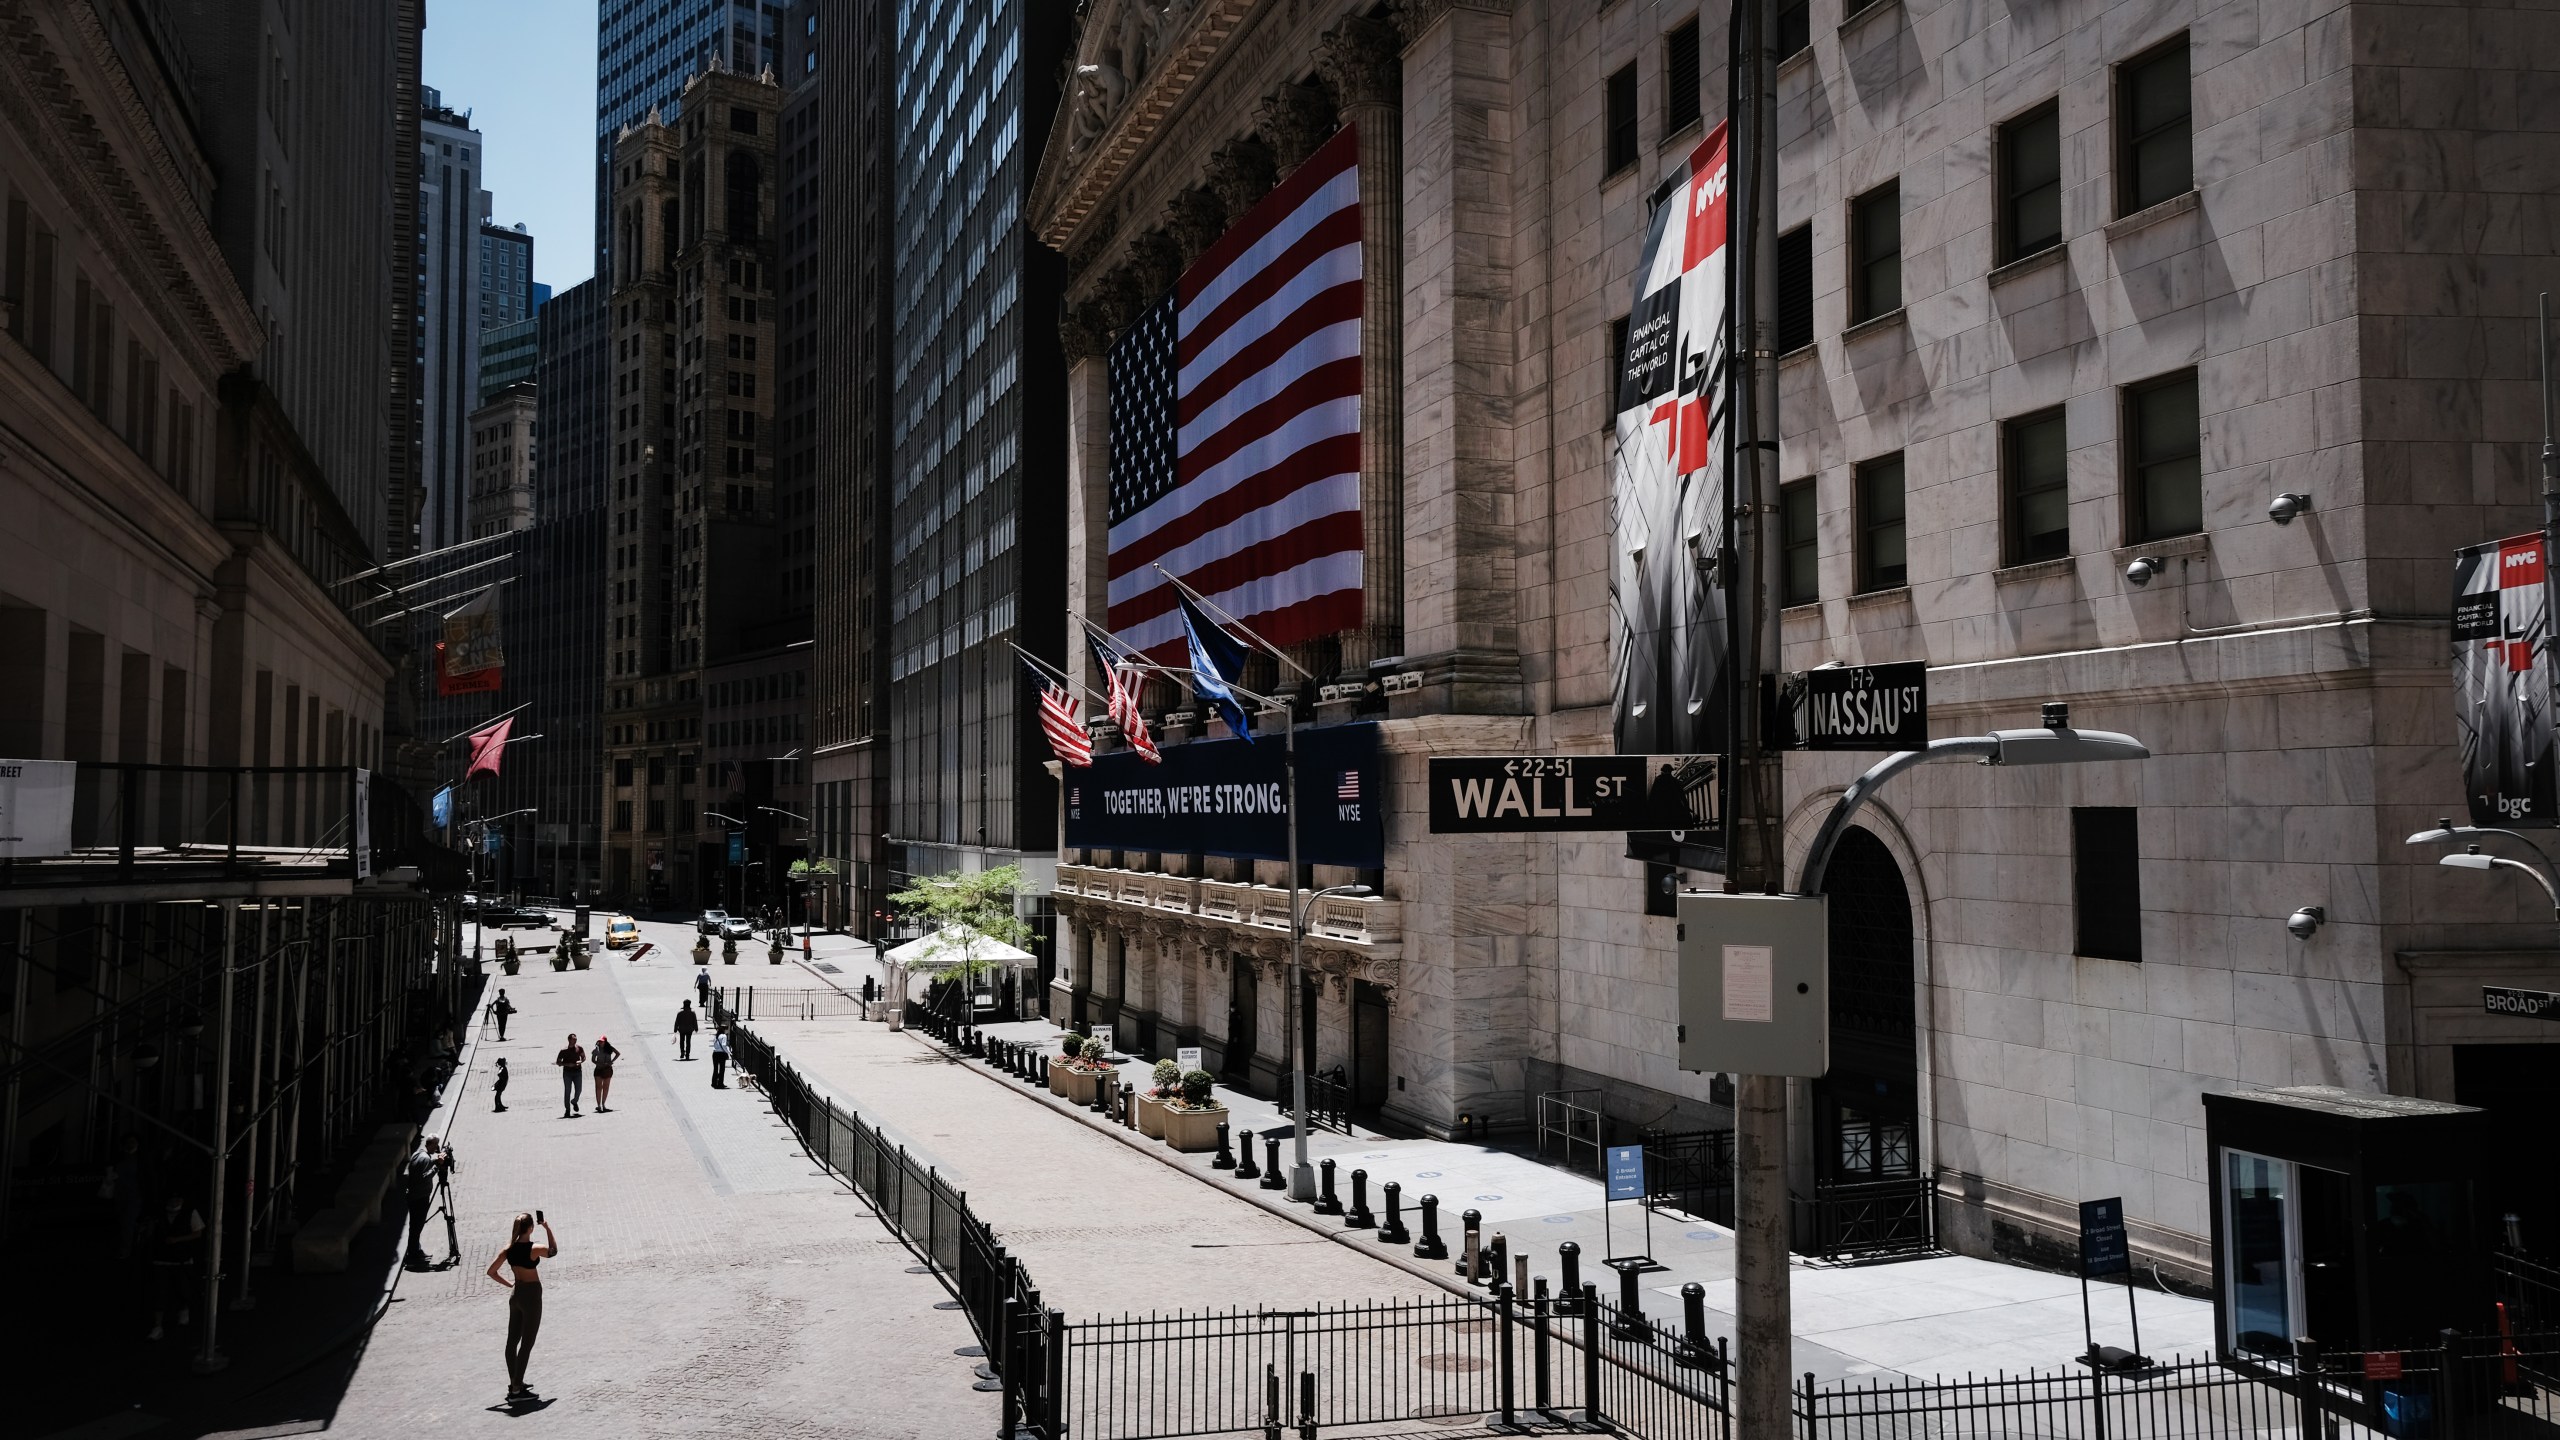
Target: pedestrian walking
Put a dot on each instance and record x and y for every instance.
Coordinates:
(572, 1061)
(176, 1237)
(720, 1058)
(524, 1300)
(686, 1023)
(419, 1176)
(499, 1010)
(498, 1087)
(702, 984)
(603, 1055)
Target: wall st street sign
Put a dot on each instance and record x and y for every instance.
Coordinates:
(1511, 794)
(1849, 707)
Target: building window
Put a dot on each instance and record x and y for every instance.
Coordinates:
(657, 814)
(1622, 121)
(622, 770)
(2037, 489)
(2031, 183)
(1800, 569)
(1795, 27)
(621, 814)
(1795, 289)
(1617, 367)
(1680, 79)
(1875, 253)
(2166, 448)
(2106, 882)
(1882, 561)
(2155, 154)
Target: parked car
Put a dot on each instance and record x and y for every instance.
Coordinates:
(711, 922)
(498, 915)
(470, 905)
(735, 927)
(621, 933)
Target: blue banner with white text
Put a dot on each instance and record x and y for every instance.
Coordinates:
(1223, 797)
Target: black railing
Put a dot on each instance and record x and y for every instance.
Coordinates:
(1329, 1100)
(1868, 1218)
(2529, 1289)
(200, 822)
(1690, 1171)
(1572, 1130)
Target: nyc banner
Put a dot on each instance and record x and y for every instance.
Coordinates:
(1224, 797)
(471, 657)
(1666, 504)
(2504, 678)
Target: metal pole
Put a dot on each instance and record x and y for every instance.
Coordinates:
(252, 1143)
(24, 961)
(211, 1358)
(1764, 1323)
(1302, 1176)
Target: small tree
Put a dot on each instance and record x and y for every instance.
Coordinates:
(966, 913)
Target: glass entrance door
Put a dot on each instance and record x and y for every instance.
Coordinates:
(2262, 1255)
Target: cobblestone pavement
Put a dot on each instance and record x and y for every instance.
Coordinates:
(710, 1277)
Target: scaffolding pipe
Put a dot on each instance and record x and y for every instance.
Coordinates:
(247, 1299)
(285, 1184)
(210, 1358)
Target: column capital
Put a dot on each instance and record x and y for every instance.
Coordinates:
(1295, 118)
(1362, 57)
(1082, 334)
(1194, 219)
(1242, 172)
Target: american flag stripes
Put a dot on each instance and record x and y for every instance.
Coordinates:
(1120, 681)
(1061, 719)
(1235, 424)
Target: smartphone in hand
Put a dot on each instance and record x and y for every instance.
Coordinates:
(538, 1220)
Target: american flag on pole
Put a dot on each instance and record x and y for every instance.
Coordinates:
(1235, 424)
(1121, 681)
(1061, 719)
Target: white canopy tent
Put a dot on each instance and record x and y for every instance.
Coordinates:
(924, 960)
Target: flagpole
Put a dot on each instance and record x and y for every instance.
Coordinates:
(1054, 673)
(1302, 1175)
(479, 725)
(1219, 613)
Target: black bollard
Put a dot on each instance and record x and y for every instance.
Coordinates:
(1245, 1168)
(1631, 1322)
(1272, 1179)
(1327, 1203)
(1360, 1218)
(1498, 1260)
(1393, 1232)
(1471, 1238)
(1128, 1107)
(1693, 1328)
(1431, 1246)
(1226, 1156)
(1568, 1284)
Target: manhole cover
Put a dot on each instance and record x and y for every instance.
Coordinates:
(1451, 1364)
(830, 969)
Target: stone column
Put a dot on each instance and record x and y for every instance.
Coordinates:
(1088, 481)
(1458, 507)
(1362, 62)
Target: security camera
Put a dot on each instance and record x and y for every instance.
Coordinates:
(2284, 507)
(2141, 570)
(2306, 922)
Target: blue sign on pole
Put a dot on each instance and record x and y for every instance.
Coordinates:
(489, 840)
(737, 848)
(2102, 1241)
(1626, 1172)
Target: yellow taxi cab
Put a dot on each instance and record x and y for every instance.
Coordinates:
(621, 932)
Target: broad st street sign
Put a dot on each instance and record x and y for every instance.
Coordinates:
(1849, 707)
(1511, 794)
(2528, 1004)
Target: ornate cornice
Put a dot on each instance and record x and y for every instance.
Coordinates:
(1098, 134)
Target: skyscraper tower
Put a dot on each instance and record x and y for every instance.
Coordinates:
(644, 51)
(452, 208)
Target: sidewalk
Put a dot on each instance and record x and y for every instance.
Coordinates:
(709, 1275)
(1942, 1315)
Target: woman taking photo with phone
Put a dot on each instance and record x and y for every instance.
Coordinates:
(524, 1305)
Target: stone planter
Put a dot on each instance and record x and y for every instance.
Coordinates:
(1076, 1085)
(1191, 1131)
(1151, 1113)
(579, 957)
(1059, 1070)
(507, 963)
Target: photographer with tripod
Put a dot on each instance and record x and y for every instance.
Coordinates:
(430, 1180)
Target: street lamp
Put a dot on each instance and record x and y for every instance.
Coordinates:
(482, 825)
(1302, 1174)
(805, 823)
(2446, 832)
(742, 829)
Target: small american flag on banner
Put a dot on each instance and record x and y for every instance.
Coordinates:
(1235, 424)
(1348, 787)
(1061, 719)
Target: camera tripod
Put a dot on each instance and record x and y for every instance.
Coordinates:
(441, 1199)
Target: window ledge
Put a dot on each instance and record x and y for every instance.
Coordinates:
(2176, 547)
(1789, 64)
(1890, 595)
(1691, 130)
(1805, 351)
(2034, 570)
(2111, 959)
(2044, 259)
(1632, 167)
(1801, 607)
(2140, 220)
(1873, 9)
(1893, 319)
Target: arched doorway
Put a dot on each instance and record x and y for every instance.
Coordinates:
(1866, 1112)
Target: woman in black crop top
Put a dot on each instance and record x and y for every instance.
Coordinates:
(524, 1303)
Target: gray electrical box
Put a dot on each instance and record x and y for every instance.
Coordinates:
(1755, 984)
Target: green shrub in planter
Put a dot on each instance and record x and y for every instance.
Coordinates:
(1197, 1086)
(1071, 1045)
(1094, 1050)
(1167, 1077)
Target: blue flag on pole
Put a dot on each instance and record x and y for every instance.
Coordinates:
(443, 804)
(1217, 658)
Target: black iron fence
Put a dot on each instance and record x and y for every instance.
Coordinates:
(1690, 1171)
(2529, 1289)
(1868, 1218)
(1329, 1100)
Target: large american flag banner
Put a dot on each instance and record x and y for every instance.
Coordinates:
(1235, 424)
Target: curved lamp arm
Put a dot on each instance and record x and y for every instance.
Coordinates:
(2050, 745)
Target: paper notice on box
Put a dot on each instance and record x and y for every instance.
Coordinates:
(35, 807)
(1747, 983)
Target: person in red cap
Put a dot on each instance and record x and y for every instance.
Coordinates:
(603, 1055)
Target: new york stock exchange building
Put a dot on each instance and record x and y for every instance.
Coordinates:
(1353, 330)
